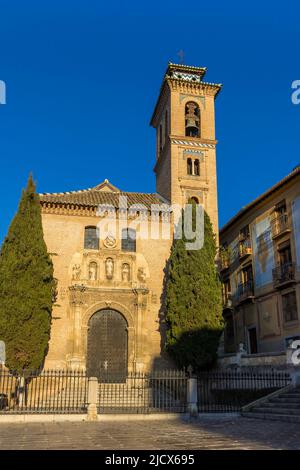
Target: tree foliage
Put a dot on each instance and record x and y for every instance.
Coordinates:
(26, 286)
(193, 302)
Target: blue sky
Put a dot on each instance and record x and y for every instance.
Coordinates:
(82, 78)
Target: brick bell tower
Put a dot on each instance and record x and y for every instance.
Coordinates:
(184, 119)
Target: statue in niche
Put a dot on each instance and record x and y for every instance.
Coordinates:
(93, 271)
(141, 275)
(126, 272)
(109, 268)
(76, 272)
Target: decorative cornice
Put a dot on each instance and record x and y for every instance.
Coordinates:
(183, 86)
(193, 143)
(68, 209)
(193, 152)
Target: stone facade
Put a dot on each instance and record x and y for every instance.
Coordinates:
(110, 277)
(260, 269)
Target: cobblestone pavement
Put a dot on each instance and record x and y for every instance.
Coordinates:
(207, 433)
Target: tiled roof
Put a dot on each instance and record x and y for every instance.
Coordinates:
(93, 197)
(294, 173)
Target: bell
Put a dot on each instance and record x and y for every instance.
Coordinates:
(191, 122)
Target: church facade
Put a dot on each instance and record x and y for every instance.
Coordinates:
(109, 311)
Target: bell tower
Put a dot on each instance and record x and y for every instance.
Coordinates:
(184, 119)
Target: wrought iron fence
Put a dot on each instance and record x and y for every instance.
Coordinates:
(158, 391)
(48, 391)
(226, 391)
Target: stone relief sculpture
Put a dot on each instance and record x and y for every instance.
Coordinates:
(126, 272)
(93, 268)
(109, 268)
(76, 272)
(110, 241)
(141, 275)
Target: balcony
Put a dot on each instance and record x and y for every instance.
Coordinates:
(284, 274)
(245, 291)
(227, 302)
(280, 225)
(245, 249)
(224, 260)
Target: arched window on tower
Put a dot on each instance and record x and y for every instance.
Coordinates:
(189, 166)
(192, 119)
(196, 167)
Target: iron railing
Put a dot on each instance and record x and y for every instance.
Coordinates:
(284, 273)
(244, 291)
(245, 247)
(280, 224)
(158, 391)
(227, 391)
(48, 391)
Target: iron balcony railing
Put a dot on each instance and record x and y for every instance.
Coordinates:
(245, 291)
(245, 248)
(283, 274)
(280, 224)
(224, 259)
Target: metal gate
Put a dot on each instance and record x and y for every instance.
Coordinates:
(107, 346)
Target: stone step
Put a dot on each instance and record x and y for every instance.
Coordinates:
(284, 398)
(277, 410)
(282, 404)
(273, 417)
(291, 395)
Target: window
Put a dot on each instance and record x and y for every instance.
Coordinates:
(245, 232)
(285, 254)
(192, 119)
(166, 126)
(196, 167)
(128, 240)
(280, 208)
(91, 239)
(193, 167)
(289, 307)
(248, 274)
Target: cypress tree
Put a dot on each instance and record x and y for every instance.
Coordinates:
(26, 286)
(193, 302)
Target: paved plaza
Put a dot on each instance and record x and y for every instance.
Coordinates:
(207, 433)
